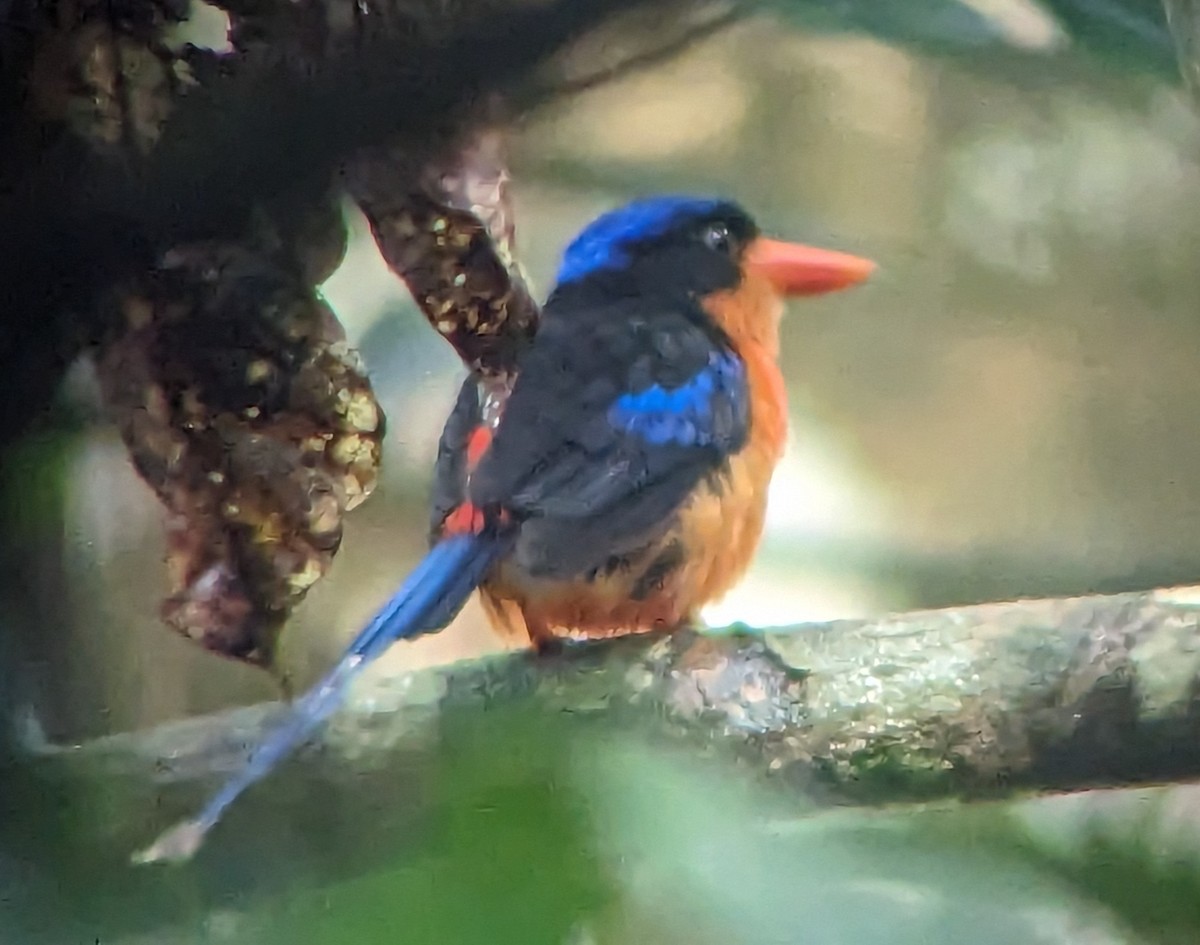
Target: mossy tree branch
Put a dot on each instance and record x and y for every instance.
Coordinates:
(969, 702)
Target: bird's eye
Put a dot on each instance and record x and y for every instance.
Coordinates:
(716, 236)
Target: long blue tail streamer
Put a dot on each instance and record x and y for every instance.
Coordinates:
(430, 598)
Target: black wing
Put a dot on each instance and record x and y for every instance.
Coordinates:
(613, 420)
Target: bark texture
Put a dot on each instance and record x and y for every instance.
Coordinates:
(969, 702)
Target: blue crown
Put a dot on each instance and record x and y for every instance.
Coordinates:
(604, 243)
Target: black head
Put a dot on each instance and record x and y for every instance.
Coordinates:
(660, 245)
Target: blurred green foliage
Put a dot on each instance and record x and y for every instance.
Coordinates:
(943, 26)
(1133, 33)
(516, 827)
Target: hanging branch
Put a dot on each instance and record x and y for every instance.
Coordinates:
(452, 242)
(179, 221)
(245, 410)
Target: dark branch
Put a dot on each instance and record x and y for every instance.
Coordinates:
(652, 57)
(73, 218)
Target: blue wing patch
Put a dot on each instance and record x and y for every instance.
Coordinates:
(708, 410)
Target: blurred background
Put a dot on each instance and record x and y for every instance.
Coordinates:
(1007, 409)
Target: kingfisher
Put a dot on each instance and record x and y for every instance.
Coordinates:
(620, 484)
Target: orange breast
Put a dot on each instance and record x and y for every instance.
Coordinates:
(719, 529)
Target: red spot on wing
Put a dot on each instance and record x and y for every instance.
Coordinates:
(466, 519)
(477, 444)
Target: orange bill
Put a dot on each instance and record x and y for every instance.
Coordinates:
(796, 269)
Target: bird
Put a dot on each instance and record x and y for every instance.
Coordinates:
(620, 483)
